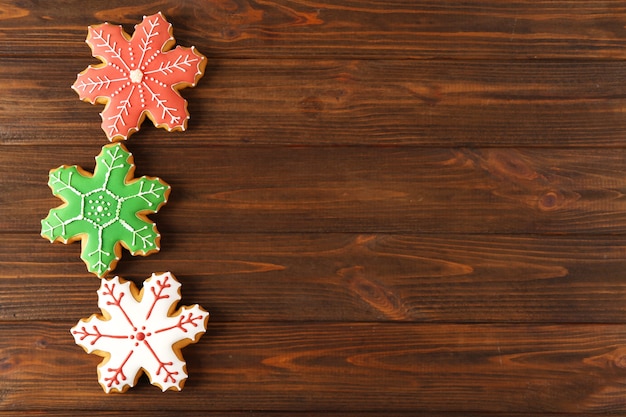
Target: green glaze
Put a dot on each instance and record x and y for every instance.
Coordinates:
(106, 209)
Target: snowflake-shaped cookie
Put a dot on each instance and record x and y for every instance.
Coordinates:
(140, 331)
(139, 76)
(105, 210)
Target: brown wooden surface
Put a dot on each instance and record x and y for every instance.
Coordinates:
(389, 208)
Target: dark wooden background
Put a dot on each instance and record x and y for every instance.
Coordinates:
(389, 207)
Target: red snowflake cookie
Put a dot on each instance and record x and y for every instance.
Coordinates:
(139, 76)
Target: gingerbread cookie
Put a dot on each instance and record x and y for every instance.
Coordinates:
(139, 76)
(105, 210)
(141, 331)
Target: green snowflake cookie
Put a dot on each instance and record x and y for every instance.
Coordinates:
(105, 210)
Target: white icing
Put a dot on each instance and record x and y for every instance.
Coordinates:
(140, 333)
(136, 76)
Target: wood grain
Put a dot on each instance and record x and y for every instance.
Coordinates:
(344, 102)
(357, 367)
(342, 278)
(421, 29)
(406, 207)
(356, 190)
(157, 413)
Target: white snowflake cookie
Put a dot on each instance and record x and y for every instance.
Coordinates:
(141, 331)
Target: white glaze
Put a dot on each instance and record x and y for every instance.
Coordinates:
(137, 332)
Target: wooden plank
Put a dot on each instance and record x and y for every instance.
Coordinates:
(328, 277)
(341, 367)
(250, 413)
(389, 208)
(347, 29)
(360, 190)
(285, 102)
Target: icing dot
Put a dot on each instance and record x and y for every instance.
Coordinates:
(136, 76)
(141, 336)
